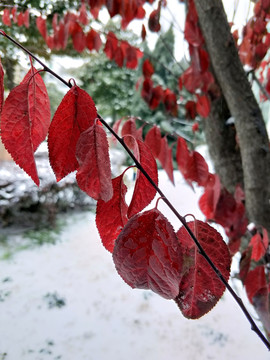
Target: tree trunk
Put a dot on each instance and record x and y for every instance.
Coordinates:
(223, 149)
(250, 127)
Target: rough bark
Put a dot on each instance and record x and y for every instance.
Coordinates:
(249, 123)
(223, 149)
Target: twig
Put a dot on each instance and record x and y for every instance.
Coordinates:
(254, 327)
(261, 87)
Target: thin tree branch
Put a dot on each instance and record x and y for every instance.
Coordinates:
(261, 87)
(254, 327)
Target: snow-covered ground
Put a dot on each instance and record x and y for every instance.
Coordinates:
(66, 301)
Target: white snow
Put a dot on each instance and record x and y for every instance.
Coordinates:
(103, 317)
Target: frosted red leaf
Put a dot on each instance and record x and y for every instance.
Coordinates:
(200, 287)
(75, 114)
(147, 254)
(143, 192)
(25, 121)
(111, 216)
(94, 172)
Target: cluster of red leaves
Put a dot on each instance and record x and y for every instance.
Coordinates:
(122, 52)
(254, 276)
(12, 15)
(72, 25)
(147, 252)
(197, 79)
(154, 95)
(256, 39)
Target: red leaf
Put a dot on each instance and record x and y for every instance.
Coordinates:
(83, 19)
(193, 81)
(1, 86)
(147, 89)
(42, 27)
(245, 264)
(20, 19)
(116, 126)
(14, 14)
(26, 18)
(25, 121)
(195, 127)
(157, 97)
(119, 56)
(95, 7)
(143, 192)
(143, 33)
(204, 60)
(147, 68)
(199, 170)
(209, 200)
(131, 58)
(191, 164)
(165, 158)
(153, 140)
(200, 288)
(93, 40)
(255, 281)
(6, 17)
(111, 216)
(153, 22)
(191, 111)
(78, 38)
(111, 45)
(193, 34)
(259, 245)
(129, 128)
(147, 254)
(203, 105)
(170, 102)
(94, 173)
(75, 114)
(62, 35)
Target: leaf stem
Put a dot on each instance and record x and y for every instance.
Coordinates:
(254, 327)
